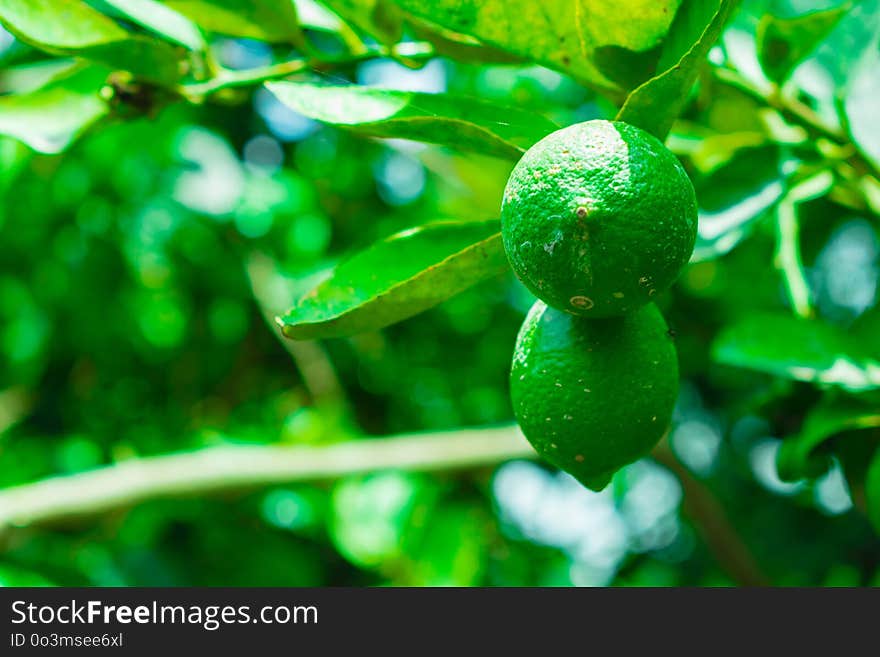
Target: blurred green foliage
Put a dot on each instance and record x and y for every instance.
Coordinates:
(141, 268)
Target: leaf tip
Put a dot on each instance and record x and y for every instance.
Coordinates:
(281, 323)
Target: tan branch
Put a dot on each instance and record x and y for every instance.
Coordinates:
(214, 469)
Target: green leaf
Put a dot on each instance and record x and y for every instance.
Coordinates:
(807, 454)
(709, 152)
(397, 278)
(320, 20)
(72, 27)
(860, 100)
(378, 18)
(785, 42)
(459, 47)
(266, 20)
(147, 59)
(610, 46)
(720, 231)
(50, 118)
(460, 122)
(164, 21)
(798, 349)
(654, 105)
(60, 24)
(33, 75)
(734, 199)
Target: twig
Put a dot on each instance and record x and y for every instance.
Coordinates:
(231, 467)
(318, 374)
(788, 251)
(790, 108)
(788, 259)
(227, 79)
(796, 112)
(712, 524)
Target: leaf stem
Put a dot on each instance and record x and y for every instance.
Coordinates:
(228, 79)
(788, 251)
(315, 368)
(788, 259)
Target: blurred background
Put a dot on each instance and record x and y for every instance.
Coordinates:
(141, 269)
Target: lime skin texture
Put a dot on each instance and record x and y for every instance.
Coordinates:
(597, 218)
(593, 395)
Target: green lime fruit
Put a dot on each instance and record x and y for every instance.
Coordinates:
(597, 218)
(593, 395)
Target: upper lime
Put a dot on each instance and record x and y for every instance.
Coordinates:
(598, 217)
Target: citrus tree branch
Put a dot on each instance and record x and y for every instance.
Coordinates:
(710, 521)
(797, 113)
(229, 467)
(235, 467)
(792, 109)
